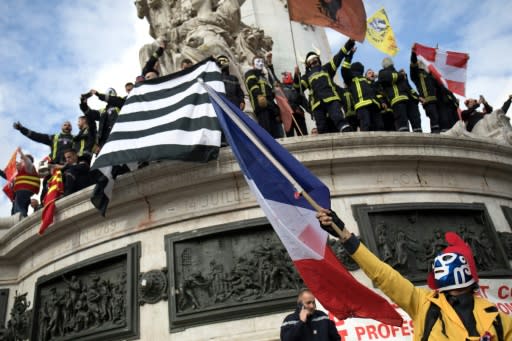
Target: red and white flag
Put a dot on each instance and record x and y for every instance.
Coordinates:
(448, 67)
(270, 170)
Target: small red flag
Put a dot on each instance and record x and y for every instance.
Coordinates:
(55, 190)
(10, 173)
(285, 109)
(345, 16)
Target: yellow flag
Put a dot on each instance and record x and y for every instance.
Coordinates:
(380, 34)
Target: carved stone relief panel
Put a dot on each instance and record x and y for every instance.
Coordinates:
(506, 237)
(233, 270)
(409, 236)
(20, 320)
(93, 300)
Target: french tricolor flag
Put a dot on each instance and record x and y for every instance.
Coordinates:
(276, 178)
(447, 67)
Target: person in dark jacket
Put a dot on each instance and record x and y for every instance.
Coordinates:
(364, 92)
(106, 117)
(323, 95)
(395, 86)
(75, 173)
(58, 142)
(308, 324)
(233, 89)
(262, 98)
(85, 141)
(150, 69)
(471, 115)
(447, 106)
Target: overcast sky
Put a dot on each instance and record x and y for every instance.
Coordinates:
(52, 51)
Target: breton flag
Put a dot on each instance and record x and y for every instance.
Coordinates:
(345, 16)
(448, 67)
(55, 190)
(380, 34)
(166, 118)
(10, 173)
(275, 177)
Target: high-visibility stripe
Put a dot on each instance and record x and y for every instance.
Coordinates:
(55, 144)
(398, 99)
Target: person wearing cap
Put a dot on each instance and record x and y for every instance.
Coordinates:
(106, 116)
(262, 97)
(26, 183)
(233, 89)
(324, 98)
(450, 309)
(57, 142)
(363, 89)
(397, 90)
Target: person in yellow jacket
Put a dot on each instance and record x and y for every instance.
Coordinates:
(450, 310)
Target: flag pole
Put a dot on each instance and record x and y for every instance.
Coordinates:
(265, 151)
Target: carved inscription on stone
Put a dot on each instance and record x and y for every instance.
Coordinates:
(92, 300)
(242, 270)
(409, 236)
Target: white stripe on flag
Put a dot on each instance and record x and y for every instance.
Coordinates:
(449, 72)
(174, 137)
(189, 111)
(196, 88)
(292, 222)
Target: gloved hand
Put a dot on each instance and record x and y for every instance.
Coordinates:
(336, 220)
(262, 101)
(350, 44)
(17, 125)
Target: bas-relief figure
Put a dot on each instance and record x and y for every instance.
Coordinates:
(495, 125)
(196, 29)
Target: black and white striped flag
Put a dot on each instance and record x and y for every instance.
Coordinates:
(166, 118)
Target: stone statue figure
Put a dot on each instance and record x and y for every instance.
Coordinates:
(197, 29)
(495, 125)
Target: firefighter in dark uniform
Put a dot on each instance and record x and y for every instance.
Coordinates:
(426, 85)
(297, 101)
(366, 104)
(262, 98)
(106, 117)
(396, 89)
(324, 98)
(84, 143)
(447, 106)
(58, 142)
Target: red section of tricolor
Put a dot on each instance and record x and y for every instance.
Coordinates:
(55, 190)
(341, 294)
(448, 67)
(345, 16)
(10, 173)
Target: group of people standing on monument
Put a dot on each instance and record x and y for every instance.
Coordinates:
(367, 101)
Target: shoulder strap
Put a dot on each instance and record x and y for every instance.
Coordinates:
(433, 314)
(498, 325)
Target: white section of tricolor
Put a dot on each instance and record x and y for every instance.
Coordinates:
(290, 223)
(174, 137)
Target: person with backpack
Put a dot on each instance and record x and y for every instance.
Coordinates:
(450, 310)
